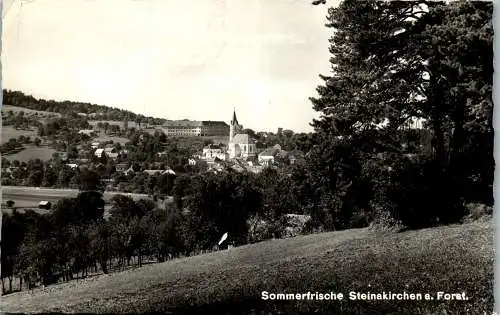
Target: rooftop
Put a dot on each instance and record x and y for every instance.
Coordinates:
(242, 138)
(182, 123)
(215, 123)
(269, 152)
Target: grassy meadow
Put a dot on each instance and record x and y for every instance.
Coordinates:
(9, 132)
(104, 138)
(453, 259)
(32, 152)
(29, 112)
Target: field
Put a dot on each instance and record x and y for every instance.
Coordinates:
(31, 196)
(103, 138)
(32, 152)
(9, 132)
(29, 112)
(453, 259)
(131, 124)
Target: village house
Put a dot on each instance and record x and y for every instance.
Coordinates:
(295, 155)
(162, 154)
(99, 153)
(111, 153)
(152, 172)
(156, 165)
(121, 167)
(213, 151)
(88, 132)
(128, 172)
(267, 157)
(159, 172)
(123, 153)
(108, 152)
(44, 204)
(95, 145)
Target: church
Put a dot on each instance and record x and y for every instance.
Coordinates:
(240, 144)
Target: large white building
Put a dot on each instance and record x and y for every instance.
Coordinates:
(191, 128)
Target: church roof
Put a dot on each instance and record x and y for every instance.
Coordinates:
(242, 138)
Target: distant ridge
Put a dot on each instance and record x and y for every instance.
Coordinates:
(95, 112)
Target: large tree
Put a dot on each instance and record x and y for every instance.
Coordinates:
(392, 62)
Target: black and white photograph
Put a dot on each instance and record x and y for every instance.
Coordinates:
(247, 157)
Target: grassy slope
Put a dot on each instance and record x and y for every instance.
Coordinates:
(27, 111)
(9, 132)
(32, 152)
(104, 138)
(451, 259)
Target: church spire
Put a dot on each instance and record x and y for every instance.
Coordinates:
(234, 121)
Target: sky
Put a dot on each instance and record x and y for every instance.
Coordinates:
(173, 59)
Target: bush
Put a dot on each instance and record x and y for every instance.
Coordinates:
(383, 220)
(259, 230)
(477, 211)
(423, 194)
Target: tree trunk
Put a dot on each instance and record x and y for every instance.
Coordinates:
(104, 267)
(10, 283)
(3, 287)
(20, 283)
(438, 140)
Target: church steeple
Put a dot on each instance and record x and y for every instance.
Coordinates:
(234, 121)
(234, 126)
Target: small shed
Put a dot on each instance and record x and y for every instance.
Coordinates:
(45, 205)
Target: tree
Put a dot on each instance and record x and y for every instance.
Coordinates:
(391, 63)
(181, 189)
(35, 178)
(89, 181)
(221, 203)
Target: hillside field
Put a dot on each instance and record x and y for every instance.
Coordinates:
(104, 138)
(453, 259)
(131, 124)
(9, 132)
(29, 112)
(32, 152)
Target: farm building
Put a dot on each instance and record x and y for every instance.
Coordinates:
(45, 205)
(121, 167)
(109, 152)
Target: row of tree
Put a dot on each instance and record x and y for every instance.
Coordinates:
(78, 238)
